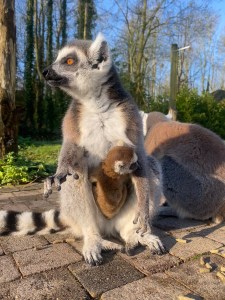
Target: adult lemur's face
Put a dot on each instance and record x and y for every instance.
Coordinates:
(79, 66)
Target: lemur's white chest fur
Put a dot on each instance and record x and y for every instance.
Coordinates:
(101, 129)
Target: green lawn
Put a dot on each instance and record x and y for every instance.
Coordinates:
(35, 160)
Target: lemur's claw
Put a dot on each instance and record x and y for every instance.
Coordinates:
(76, 176)
(136, 218)
(48, 186)
(57, 179)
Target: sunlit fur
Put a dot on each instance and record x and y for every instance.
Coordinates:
(193, 165)
(100, 114)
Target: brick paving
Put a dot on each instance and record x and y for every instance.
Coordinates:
(35, 267)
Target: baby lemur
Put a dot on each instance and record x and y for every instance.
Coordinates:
(110, 180)
(193, 167)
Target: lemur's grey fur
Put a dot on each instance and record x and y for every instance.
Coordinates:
(193, 167)
(100, 115)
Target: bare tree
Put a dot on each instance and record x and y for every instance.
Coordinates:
(142, 24)
(8, 127)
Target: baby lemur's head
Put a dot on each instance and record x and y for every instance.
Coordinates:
(79, 66)
(120, 160)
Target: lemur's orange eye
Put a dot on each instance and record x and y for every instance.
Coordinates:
(70, 61)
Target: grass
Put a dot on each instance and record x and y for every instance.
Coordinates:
(45, 152)
(35, 160)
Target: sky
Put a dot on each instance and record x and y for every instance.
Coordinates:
(219, 6)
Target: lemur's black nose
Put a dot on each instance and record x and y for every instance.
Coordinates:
(45, 72)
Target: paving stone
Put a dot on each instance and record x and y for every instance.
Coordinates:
(30, 187)
(215, 233)
(17, 200)
(18, 207)
(52, 285)
(155, 287)
(4, 292)
(41, 205)
(113, 273)
(60, 236)
(78, 245)
(207, 285)
(5, 202)
(176, 224)
(28, 198)
(195, 245)
(148, 263)
(33, 261)
(9, 189)
(25, 193)
(17, 243)
(66, 237)
(4, 197)
(1, 251)
(8, 270)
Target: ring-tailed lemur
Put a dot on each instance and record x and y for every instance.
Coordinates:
(100, 115)
(111, 179)
(193, 167)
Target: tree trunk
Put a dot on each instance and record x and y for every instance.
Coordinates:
(8, 124)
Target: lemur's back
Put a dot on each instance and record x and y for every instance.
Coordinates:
(193, 165)
(198, 146)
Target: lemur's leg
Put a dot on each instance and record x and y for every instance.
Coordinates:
(140, 179)
(128, 230)
(79, 212)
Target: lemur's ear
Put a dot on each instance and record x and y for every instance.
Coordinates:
(99, 51)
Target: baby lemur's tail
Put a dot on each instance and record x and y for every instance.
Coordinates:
(22, 223)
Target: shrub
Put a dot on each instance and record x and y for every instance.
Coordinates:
(35, 159)
(15, 169)
(201, 109)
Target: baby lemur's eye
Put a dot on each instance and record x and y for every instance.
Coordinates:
(70, 61)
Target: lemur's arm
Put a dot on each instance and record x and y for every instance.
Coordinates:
(68, 155)
(140, 179)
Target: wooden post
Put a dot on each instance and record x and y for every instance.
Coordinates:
(173, 81)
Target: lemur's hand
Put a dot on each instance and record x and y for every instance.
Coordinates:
(71, 163)
(58, 178)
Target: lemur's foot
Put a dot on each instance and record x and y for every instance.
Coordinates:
(153, 243)
(92, 256)
(92, 251)
(58, 179)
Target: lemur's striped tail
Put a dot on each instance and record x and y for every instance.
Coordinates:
(23, 223)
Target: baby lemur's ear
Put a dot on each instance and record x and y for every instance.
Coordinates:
(120, 143)
(99, 52)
